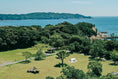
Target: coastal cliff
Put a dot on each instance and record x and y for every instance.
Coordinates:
(100, 35)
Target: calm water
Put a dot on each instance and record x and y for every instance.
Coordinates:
(109, 24)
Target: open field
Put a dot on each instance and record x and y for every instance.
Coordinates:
(15, 55)
(46, 67)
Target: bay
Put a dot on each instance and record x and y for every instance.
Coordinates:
(107, 24)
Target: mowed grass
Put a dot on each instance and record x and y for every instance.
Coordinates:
(46, 67)
(15, 55)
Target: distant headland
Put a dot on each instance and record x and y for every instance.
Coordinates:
(42, 15)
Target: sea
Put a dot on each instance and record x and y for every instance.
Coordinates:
(103, 24)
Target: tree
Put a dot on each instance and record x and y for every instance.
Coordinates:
(27, 55)
(95, 68)
(79, 44)
(114, 56)
(62, 55)
(75, 47)
(113, 37)
(39, 55)
(56, 40)
(48, 27)
(97, 49)
(44, 39)
(111, 45)
(72, 73)
(86, 29)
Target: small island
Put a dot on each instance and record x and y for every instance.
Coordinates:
(42, 15)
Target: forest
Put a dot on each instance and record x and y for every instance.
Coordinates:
(60, 35)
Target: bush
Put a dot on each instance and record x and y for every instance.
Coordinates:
(49, 77)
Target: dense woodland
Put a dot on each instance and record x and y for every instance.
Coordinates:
(61, 36)
(41, 15)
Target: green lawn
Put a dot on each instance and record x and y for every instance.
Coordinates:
(46, 67)
(15, 55)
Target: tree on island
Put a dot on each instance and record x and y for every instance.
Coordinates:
(62, 55)
(27, 55)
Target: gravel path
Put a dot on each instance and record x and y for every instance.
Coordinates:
(8, 63)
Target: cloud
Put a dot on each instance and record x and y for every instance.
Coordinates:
(82, 2)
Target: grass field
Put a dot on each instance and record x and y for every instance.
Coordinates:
(15, 55)
(46, 67)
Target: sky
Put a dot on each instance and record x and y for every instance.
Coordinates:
(84, 7)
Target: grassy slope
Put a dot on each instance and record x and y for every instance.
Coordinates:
(18, 71)
(15, 55)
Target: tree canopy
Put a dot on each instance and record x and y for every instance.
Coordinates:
(27, 55)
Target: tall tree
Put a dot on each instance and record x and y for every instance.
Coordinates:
(62, 55)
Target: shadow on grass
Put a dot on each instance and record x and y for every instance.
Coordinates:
(39, 59)
(114, 64)
(60, 65)
(25, 62)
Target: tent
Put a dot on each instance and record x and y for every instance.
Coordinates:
(72, 60)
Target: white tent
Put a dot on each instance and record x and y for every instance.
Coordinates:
(72, 60)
